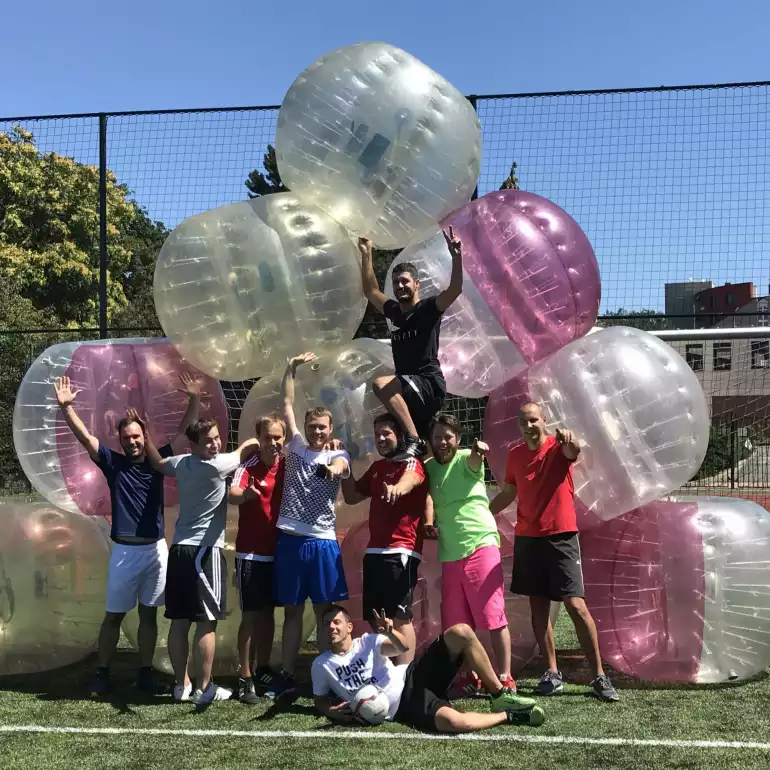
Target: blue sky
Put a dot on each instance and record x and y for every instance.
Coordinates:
(668, 187)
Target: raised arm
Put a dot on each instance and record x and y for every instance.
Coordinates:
(368, 278)
(287, 390)
(503, 499)
(350, 493)
(65, 395)
(396, 643)
(476, 457)
(570, 444)
(248, 448)
(455, 288)
(192, 389)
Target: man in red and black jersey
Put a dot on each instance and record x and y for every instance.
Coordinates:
(257, 487)
(398, 493)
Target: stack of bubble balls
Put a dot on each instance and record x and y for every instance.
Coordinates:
(372, 143)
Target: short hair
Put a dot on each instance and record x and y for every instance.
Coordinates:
(531, 403)
(198, 429)
(406, 267)
(335, 609)
(319, 411)
(270, 419)
(386, 418)
(126, 421)
(449, 421)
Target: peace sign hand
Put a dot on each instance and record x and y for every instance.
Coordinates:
(454, 244)
(382, 623)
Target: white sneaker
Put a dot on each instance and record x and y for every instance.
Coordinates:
(211, 693)
(182, 692)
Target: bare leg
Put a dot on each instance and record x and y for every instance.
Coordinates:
(388, 390)
(319, 610)
(449, 720)
(501, 647)
(109, 636)
(262, 635)
(147, 635)
(540, 607)
(406, 628)
(586, 632)
(179, 649)
(203, 652)
(292, 635)
(245, 643)
(463, 643)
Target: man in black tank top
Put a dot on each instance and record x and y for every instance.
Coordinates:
(416, 392)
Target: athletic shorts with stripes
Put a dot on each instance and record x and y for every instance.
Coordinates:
(196, 583)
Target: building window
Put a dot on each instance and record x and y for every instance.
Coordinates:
(730, 299)
(694, 356)
(723, 356)
(760, 354)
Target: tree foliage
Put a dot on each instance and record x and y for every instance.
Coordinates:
(261, 183)
(49, 235)
(646, 320)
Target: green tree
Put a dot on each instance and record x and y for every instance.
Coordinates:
(646, 320)
(511, 182)
(259, 183)
(49, 235)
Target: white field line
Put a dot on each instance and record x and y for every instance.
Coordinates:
(357, 735)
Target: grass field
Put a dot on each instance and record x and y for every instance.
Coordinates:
(579, 732)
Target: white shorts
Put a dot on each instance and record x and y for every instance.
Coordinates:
(136, 572)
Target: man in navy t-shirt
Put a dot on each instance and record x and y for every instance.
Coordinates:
(416, 393)
(139, 555)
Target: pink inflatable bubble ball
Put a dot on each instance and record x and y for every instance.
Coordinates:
(533, 266)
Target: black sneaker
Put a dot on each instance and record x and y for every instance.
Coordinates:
(414, 446)
(101, 682)
(283, 684)
(551, 683)
(604, 690)
(264, 680)
(534, 717)
(147, 681)
(246, 691)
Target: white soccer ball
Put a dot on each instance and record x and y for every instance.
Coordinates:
(370, 704)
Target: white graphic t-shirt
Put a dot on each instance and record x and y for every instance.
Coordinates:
(307, 504)
(362, 664)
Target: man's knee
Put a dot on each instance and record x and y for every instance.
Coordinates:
(576, 607)
(381, 384)
(148, 614)
(293, 611)
(113, 619)
(458, 636)
(449, 720)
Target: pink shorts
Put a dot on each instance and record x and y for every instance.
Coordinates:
(472, 591)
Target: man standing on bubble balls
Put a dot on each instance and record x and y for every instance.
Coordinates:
(472, 590)
(139, 556)
(398, 491)
(546, 550)
(416, 392)
(196, 585)
(257, 488)
(417, 692)
(308, 562)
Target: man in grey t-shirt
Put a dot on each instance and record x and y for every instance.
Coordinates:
(196, 582)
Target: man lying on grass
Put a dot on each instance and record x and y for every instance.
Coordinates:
(417, 691)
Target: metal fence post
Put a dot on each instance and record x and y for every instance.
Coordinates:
(103, 225)
(473, 99)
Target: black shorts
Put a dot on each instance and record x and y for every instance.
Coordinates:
(424, 396)
(426, 685)
(255, 584)
(548, 566)
(389, 581)
(196, 583)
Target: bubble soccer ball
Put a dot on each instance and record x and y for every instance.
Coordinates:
(426, 602)
(476, 355)
(226, 660)
(53, 573)
(637, 408)
(379, 141)
(370, 705)
(113, 376)
(241, 287)
(680, 590)
(532, 266)
(341, 380)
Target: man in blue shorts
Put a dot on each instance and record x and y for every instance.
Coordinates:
(308, 562)
(417, 391)
(139, 555)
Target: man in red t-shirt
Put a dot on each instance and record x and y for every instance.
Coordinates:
(398, 493)
(256, 489)
(546, 549)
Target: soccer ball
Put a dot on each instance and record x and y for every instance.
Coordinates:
(370, 705)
